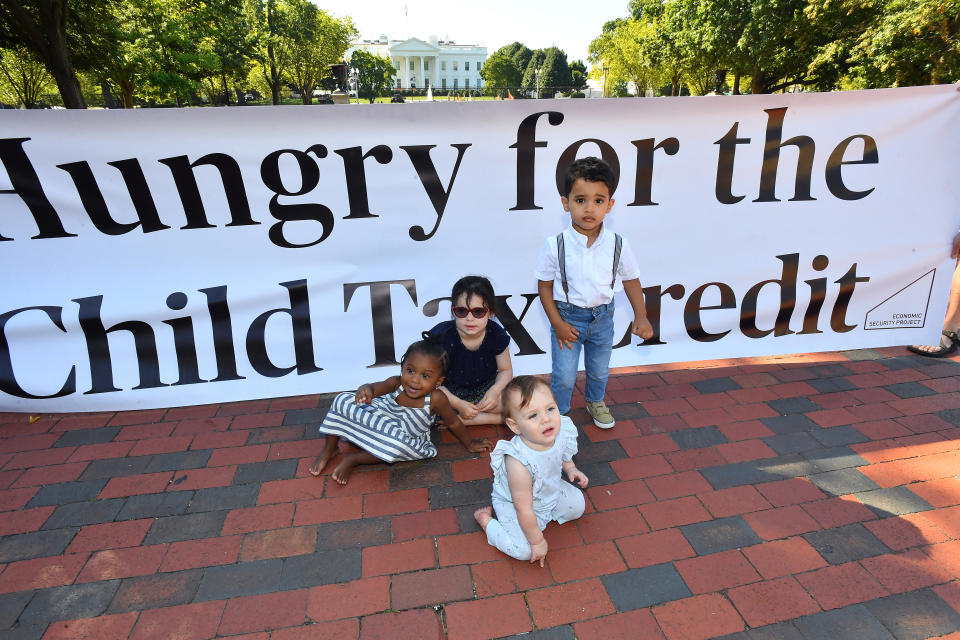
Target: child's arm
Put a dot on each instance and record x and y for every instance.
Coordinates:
(491, 399)
(441, 406)
(521, 490)
(566, 333)
(575, 476)
(371, 390)
(641, 326)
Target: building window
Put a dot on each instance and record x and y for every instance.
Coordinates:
(466, 65)
(411, 66)
(443, 83)
(455, 84)
(426, 65)
(443, 65)
(455, 63)
(399, 85)
(478, 65)
(466, 84)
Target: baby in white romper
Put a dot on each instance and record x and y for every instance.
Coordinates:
(528, 490)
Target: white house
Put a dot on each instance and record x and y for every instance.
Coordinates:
(429, 63)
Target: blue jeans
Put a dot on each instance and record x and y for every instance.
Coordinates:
(595, 328)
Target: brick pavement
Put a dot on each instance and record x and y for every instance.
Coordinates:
(795, 498)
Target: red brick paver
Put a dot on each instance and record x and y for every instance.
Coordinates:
(202, 523)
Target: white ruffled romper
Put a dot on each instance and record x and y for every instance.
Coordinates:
(553, 497)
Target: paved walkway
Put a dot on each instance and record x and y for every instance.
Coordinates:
(792, 498)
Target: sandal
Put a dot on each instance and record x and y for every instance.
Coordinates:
(942, 350)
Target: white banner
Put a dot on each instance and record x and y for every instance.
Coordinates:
(159, 257)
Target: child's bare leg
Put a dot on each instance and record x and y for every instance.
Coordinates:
(328, 454)
(483, 516)
(341, 473)
(484, 417)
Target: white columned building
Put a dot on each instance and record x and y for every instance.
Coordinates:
(443, 65)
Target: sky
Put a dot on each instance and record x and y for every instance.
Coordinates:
(492, 23)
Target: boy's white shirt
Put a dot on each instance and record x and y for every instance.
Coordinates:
(588, 269)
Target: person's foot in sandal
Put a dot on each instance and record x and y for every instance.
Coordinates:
(948, 344)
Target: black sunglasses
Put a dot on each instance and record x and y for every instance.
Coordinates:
(478, 312)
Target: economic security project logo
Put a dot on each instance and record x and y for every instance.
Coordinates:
(905, 309)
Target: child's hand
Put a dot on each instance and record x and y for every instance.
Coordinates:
(468, 411)
(578, 478)
(365, 394)
(479, 445)
(489, 402)
(567, 334)
(643, 328)
(538, 551)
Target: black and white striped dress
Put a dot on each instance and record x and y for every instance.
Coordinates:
(382, 428)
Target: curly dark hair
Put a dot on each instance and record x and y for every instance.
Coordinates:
(591, 169)
(430, 346)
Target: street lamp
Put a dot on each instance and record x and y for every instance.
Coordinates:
(537, 73)
(605, 70)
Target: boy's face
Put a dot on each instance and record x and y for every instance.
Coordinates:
(588, 204)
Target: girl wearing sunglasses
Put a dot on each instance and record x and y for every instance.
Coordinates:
(478, 366)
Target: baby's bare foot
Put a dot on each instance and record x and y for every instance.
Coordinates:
(483, 516)
(320, 463)
(341, 473)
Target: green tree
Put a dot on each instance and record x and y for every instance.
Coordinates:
(319, 40)
(41, 26)
(232, 48)
(163, 50)
(620, 89)
(499, 73)
(23, 78)
(117, 48)
(271, 26)
(632, 53)
(374, 74)
(529, 81)
(181, 48)
(521, 55)
(578, 75)
(555, 73)
(888, 43)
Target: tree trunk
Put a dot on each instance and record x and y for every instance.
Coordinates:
(757, 81)
(48, 40)
(274, 77)
(109, 101)
(736, 83)
(306, 94)
(226, 89)
(126, 90)
(62, 71)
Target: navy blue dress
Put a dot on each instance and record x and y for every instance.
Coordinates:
(471, 373)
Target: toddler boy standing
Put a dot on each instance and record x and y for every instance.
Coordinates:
(577, 272)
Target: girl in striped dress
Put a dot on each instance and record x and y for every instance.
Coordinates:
(390, 420)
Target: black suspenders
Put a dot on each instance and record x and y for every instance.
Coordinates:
(561, 257)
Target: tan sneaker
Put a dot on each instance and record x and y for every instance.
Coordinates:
(601, 415)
